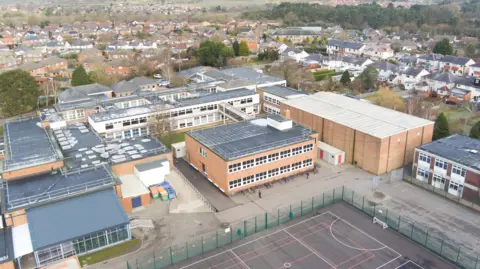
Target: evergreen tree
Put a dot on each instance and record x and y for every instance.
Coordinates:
(440, 129)
(80, 77)
(475, 131)
(236, 47)
(345, 77)
(18, 92)
(443, 47)
(243, 49)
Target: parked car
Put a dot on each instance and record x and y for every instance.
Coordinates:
(157, 76)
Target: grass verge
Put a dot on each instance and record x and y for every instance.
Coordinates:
(170, 139)
(109, 253)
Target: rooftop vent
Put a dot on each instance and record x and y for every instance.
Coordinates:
(278, 122)
(476, 81)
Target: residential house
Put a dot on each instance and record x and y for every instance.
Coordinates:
(293, 54)
(378, 51)
(7, 61)
(344, 47)
(440, 83)
(466, 89)
(144, 84)
(455, 65)
(429, 62)
(474, 69)
(450, 165)
(411, 77)
(81, 45)
(120, 54)
(120, 67)
(386, 71)
(89, 53)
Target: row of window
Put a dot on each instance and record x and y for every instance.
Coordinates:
(271, 111)
(73, 114)
(269, 158)
(126, 123)
(242, 101)
(456, 169)
(271, 100)
(269, 174)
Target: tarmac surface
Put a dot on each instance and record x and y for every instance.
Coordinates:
(338, 236)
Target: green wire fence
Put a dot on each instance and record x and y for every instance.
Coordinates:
(238, 231)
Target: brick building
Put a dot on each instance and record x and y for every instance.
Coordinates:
(272, 96)
(376, 139)
(451, 164)
(241, 155)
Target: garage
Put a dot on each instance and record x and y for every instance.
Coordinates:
(330, 154)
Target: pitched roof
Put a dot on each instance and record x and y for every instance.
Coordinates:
(413, 71)
(140, 81)
(82, 92)
(461, 149)
(443, 77)
(66, 220)
(344, 44)
(455, 60)
(123, 86)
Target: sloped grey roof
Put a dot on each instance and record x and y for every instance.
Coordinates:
(443, 77)
(82, 92)
(76, 217)
(413, 71)
(123, 86)
(457, 148)
(455, 60)
(140, 81)
(382, 65)
(344, 44)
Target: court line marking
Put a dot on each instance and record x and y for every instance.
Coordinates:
(223, 252)
(244, 264)
(313, 251)
(364, 233)
(409, 261)
(389, 262)
(348, 246)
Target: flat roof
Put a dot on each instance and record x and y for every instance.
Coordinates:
(251, 75)
(83, 148)
(367, 118)
(27, 144)
(73, 218)
(132, 186)
(245, 138)
(6, 245)
(195, 99)
(461, 149)
(46, 188)
(149, 165)
(281, 91)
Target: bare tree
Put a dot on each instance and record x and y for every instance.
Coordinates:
(160, 125)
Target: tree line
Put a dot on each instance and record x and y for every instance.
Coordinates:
(364, 15)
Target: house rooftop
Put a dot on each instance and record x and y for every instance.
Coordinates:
(461, 149)
(367, 118)
(246, 138)
(27, 144)
(345, 44)
(251, 75)
(141, 81)
(83, 92)
(73, 218)
(48, 187)
(280, 91)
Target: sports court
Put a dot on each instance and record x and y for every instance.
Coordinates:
(332, 238)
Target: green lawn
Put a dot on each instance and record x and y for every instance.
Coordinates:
(1, 130)
(110, 253)
(170, 139)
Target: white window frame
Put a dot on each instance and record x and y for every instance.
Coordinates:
(424, 157)
(459, 170)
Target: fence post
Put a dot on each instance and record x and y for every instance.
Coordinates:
(323, 200)
(458, 254)
(333, 196)
(290, 214)
(301, 208)
(441, 247)
(312, 203)
(411, 233)
(266, 220)
(202, 244)
(399, 224)
(374, 209)
(245, 228)
(363, 203)
(278, 217)
(426, 238)
(136, 263)
(171, 256)
(216, 238)
(476, 263)
(343, 191)
(255, 224)
(186, 249)
(386, 216)
(154, 262)
(353, 193)
(231, 234)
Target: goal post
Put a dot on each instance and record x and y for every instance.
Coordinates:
(377, 220)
